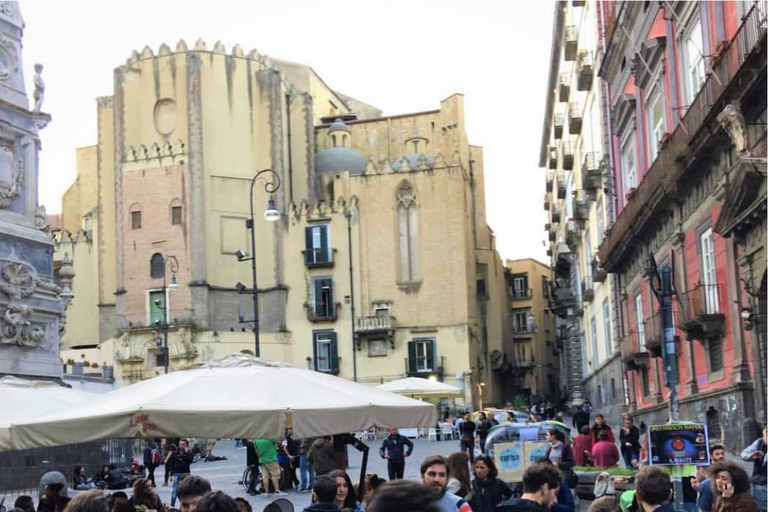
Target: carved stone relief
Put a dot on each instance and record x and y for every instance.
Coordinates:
(42, 222)
(9, 60)
(16, 328)
(11, 174)
(18, 280)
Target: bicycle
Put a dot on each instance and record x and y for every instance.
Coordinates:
(249, 476)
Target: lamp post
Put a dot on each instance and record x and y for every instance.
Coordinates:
(272, 215)
(172, 263)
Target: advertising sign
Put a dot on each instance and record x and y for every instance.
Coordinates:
(533, 451)
(510, 461)
(683, 443)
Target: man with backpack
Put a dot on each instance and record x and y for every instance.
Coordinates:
(152, 459)
(757, 452)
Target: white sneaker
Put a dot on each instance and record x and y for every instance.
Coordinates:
(280, 493)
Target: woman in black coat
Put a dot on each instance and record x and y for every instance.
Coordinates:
(487, 490)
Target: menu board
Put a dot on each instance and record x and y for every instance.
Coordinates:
(682, 443)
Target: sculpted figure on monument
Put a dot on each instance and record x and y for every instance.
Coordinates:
(16, 329)
(39, 94)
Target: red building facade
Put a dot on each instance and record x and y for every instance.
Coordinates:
(686, 83)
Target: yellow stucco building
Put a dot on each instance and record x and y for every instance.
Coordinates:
(383, 214)
(535, 346)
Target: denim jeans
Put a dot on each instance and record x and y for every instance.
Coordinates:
(468, 445)
(174, 487)
(306, 469)
(629, 454)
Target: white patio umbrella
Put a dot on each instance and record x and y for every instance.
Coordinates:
(416, 386)
(22, 399)
(237, 396)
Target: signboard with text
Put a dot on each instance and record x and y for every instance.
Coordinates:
(512, 459)
(682, 443)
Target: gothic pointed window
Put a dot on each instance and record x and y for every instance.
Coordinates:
(408, 233)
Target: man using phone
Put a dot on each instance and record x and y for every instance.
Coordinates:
(756, 452)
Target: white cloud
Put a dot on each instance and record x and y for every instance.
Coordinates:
(399, 56)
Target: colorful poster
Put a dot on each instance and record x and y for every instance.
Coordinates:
(682, 443)
(533, 451)
(510, 461)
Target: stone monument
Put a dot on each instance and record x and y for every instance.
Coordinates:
(32, 305)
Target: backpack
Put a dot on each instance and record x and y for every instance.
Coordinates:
(157, 457)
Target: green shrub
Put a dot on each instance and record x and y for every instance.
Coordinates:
(616, 471)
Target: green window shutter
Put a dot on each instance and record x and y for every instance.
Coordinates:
(317, 297)
(431, 354)
(412, 361)
(331, 307)
(334, 353)
(314, 351)
(309, 253)
(322, 253)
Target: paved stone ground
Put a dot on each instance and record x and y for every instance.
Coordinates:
(224, 475)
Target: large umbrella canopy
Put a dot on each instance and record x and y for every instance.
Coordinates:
(22, 399)
(416, 386)
(238, 396)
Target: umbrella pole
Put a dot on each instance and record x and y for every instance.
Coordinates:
(363, 468)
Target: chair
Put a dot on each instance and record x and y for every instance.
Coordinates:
(455, 432)
(432, 434)
(446, 432)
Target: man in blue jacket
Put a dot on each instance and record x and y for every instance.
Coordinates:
(393, 449)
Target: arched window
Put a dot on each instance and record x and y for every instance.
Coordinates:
(333, 139)
(156, 266)
(408, 233)
(344, 140)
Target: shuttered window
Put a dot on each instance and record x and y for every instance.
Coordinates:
(421, 356)
(326, 351)
(317, 247)
(322, 297)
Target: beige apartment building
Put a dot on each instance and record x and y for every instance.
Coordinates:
(381, 265)
(533, 329)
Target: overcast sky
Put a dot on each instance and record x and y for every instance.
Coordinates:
(401, 56)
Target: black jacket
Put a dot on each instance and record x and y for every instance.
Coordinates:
(395, 448)
(323, 507)
(487, 495)
(182, 461)
(632, 437)
(580, 419)
(483, 427)
(520, 505)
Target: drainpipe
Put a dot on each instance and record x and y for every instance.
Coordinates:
(348, 215)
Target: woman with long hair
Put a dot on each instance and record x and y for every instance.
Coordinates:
(80, 480)
(732, 488)
(487, 489)
(145, 495)
(346, 497)
(458, 475)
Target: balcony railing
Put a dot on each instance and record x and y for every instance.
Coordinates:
(630, 351)
(564, 89)
(660, 182)
(653, 336)
(556, 215)
(318, 257)
(571, 42)
(522, 330)
(524, 294)
(592, 173)
(580, 205)
(552, 157)
(558, 126)
(574, 118)
(701, 316)
(550, 179)
(572, 233)
(424, 368)
(375, 323)
(567, 156)
(585, 70)
(598, 273)
(321, 313)
(552, 231)
(588, 289)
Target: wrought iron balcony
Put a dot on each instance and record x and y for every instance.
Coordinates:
(571, 42)
(580, 205)
(321, 313)
(567, 156)
(552, 235)
(522, 330)
(592, 173)
(572, 233)
(598, 274)
(564, 89)
(556, 214)
(524, 294)
(630, 351)
(653, 334)
(420, 367)
(558, 126)
(561, 187)
(318, 257)
(585, 71)
(375, 323)
(552, 157)
(587, 289)
(550, 179)
(574, 118)
(701, 316)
